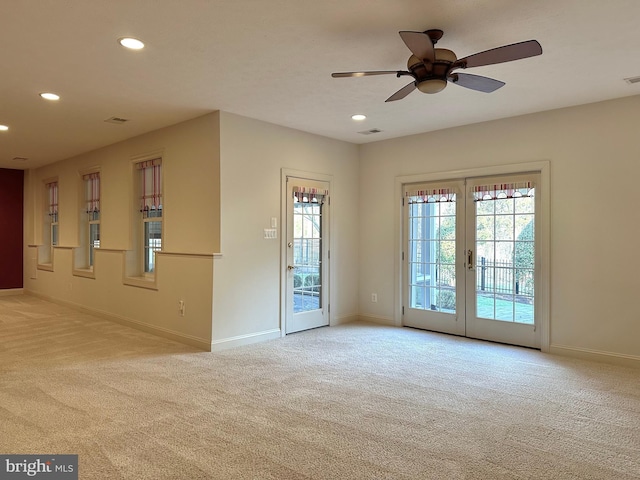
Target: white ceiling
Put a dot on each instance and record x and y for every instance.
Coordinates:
(272, 59)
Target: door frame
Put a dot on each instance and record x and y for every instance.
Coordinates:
(541, 167)
(329, 291)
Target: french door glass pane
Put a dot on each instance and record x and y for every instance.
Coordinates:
(505, 259)
(307, 255)
(432, 256)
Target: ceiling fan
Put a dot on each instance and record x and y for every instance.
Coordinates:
(432, 67)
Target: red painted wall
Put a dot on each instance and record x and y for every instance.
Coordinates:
(11, 214)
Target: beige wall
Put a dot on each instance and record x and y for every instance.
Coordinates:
(221, 182)
(222, 186)
(247, 277)
(594, 155)
(191, 161)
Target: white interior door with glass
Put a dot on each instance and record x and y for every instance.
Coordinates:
(307, 265)
(470, 256)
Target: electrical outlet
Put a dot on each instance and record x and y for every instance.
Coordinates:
(181, 308)
(374, 297)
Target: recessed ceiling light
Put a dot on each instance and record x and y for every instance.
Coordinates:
(4, 127)
(358, 117)
(50, 96)
(132, 43)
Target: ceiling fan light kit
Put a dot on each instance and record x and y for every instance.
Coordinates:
(432, 85)
(431, 68)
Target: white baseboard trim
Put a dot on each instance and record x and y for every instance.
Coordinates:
(11, 291)
(596, 355)
(193, 341)
(241, 340)
(388, 321)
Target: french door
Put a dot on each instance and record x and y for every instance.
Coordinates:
(470, 256)
(307, 263)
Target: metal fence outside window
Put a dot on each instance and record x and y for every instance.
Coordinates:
(504, 278)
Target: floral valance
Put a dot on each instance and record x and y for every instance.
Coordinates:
(92, 192)
(309, 195)
(503, 190)
(151, 185)
(52, 189)
(431, 195)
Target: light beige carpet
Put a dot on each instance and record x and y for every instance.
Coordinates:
(350, 402)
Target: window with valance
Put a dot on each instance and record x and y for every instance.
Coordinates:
(151, 206)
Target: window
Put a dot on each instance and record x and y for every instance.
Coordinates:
(91, 185)
(51, 218)
(150, 181)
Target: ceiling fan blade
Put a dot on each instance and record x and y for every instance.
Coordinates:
(506, 53)
(403, 92)
(364, 74)
(476, 82)
(420, 45)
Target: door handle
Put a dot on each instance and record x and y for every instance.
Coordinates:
(470, 259)
(291, 267)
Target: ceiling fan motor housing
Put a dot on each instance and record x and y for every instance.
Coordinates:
(432, 77)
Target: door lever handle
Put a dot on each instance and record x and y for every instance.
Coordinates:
(470, 259)
(291, 267)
